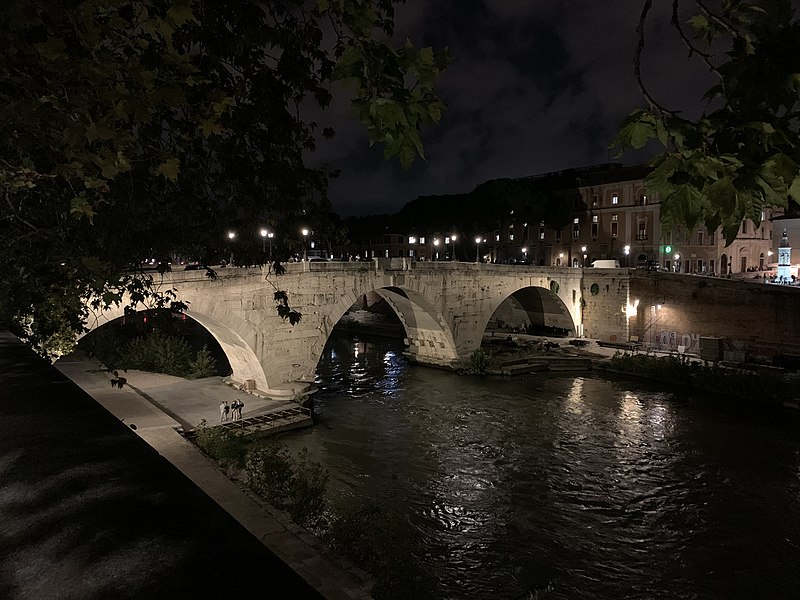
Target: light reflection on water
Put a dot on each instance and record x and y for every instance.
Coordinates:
(606, 489)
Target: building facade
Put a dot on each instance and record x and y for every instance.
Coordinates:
(614, 217)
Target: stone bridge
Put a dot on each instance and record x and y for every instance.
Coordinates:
(443, 306)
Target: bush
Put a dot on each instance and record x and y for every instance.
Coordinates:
(203, 365)
(222, 444)
(157, 353)
(680, 369)
(269, 471)
(306, 499)
(479, 361)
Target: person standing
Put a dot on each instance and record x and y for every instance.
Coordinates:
(223, 410)
(234, 407)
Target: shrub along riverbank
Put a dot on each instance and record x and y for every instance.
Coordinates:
(378, 539)
(769, 386)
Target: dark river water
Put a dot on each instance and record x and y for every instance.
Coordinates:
(602, 488)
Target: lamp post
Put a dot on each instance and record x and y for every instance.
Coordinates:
(560, 259)
(627, 251)
(453, 238)
(477, 249)
(677, 264)
(524, 254)
(583, 249)
(266, 235)
(304, 231)
(231, 237)
(436, 248)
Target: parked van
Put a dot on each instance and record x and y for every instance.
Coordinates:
(606, 264)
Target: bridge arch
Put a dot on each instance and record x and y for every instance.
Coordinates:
(537, 309)
(245, 365)
(428, 335)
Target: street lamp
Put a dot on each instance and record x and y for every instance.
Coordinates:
(453, 238)
(231, 237)
(436, 246)
(266, 235)
(524, 254)
(627, 251)
(583, 249)
(677, 265)
(478, 249)
(560, 259)
(304, 231)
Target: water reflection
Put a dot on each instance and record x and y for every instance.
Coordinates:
(607, 490)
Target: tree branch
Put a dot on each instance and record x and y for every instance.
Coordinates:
(637, 63)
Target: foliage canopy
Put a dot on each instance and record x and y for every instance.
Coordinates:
(143, 128)
(743, 153)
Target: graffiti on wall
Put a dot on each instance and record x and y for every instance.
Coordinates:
(673, 339)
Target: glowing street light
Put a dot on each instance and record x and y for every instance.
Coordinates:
(627, 251)
(583, 249)
(266, 235)
(478, 248)
(436, 246)
(677, 265)
(231, 237)
(453, 238)
(524, 253)
(304, 231)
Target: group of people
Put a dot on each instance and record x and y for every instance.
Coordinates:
(230, 412)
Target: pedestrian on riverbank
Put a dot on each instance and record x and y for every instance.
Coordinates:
(234, 407)
(239, 407)
(224, 411)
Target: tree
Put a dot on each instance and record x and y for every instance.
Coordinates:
(136, 128)
(743, 153)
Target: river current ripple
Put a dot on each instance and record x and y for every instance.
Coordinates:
(603, 488)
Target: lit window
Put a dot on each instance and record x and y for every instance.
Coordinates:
(615, 199)
(614, 218)
(595, 200)
(510, 237)
(595, 218)
(497, 238)
(576, 221)
(421, 240)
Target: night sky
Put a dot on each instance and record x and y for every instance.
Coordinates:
(535, 86)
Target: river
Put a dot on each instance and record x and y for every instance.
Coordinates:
(603, 488)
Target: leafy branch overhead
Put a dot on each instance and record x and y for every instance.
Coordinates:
(144, 128)
(285, 312)
(743, 153)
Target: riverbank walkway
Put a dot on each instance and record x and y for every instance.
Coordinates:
(90, 511)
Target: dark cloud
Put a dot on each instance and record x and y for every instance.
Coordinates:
(535, 86)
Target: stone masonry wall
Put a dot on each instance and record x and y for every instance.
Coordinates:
(754, 318)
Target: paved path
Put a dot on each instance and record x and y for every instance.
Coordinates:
(50, 430)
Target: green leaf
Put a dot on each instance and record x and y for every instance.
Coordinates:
(169, 169)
